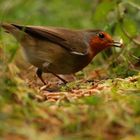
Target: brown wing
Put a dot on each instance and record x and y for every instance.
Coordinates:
(72, 40)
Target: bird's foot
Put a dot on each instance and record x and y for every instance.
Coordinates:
(45, 86)
(50, 87)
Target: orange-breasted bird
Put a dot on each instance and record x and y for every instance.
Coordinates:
(59, 50)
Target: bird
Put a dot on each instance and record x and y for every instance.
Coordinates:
(59, 50)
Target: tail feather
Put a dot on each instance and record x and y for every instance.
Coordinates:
(7, 27)
(11, 26)
(13, 29)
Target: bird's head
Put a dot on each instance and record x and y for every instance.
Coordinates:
(101, 40)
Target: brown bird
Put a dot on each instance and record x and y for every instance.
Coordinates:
(59, 50)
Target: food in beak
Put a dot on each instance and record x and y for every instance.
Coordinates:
(118, 43)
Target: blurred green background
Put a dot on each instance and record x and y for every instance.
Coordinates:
(21, 118)
(120, 18)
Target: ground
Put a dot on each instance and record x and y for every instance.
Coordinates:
(106, 109)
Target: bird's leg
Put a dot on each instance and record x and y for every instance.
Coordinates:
(39, 74)
(63, 80)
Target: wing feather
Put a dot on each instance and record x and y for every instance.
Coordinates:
(63, 37)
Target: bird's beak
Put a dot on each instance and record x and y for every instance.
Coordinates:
(117, 43)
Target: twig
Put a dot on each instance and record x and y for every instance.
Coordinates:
(129, 36)
(133, 4)
(120, 19)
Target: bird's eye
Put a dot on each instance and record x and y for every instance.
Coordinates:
(101, 35)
